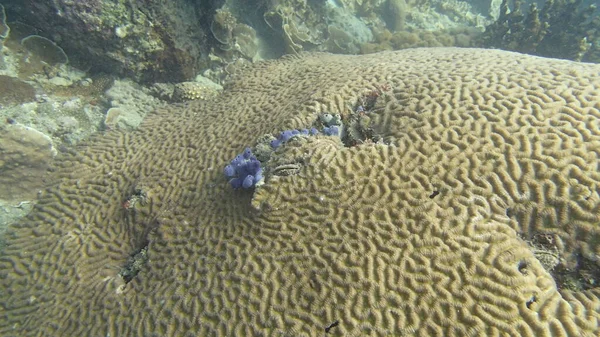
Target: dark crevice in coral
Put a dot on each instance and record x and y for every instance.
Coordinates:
(135, 263)
(583, 275)
(358, 127)
(522, 267)
(143, 217)
(570, 269)
(530, 302)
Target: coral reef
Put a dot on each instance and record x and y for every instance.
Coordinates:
(134, 265)
(115, 118)
(346, 32)
(145, 40)
(4, 28)
(386, 40)
(189, 91)
(301, 25)
(435, 230)
(25, 156)
(384, 26)
(416, 15)
(64, 108)
(91, 88)
(398, 10)
(561, 29)
(201, 88)
(32, 57)
(15, 91)
(10, 212)
(129, 104)
(45, 49)
(153, 41)
(235, 38)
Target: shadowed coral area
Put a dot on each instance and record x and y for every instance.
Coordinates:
(423, 234)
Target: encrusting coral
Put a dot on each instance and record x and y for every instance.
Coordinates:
(422, 233)
(236, 39)
(45, 49)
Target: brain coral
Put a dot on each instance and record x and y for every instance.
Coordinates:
(426, 234)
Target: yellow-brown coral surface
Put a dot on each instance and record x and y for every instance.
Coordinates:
(424, 235)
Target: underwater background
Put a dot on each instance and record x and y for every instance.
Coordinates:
(73, 73)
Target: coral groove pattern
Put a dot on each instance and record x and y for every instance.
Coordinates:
(421, 235)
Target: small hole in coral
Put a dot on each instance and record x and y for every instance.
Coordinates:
(331, 326)
(522, 266)
(530, 301)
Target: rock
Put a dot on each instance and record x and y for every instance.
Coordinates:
(25, 155)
